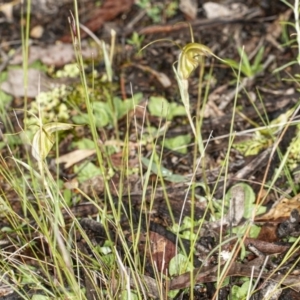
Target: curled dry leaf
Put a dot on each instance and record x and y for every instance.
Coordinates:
(281, 210)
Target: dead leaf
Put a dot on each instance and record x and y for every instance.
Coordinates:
(210, 274)
(189, 8)
(281, 210)
(7, 10)
(74, 157)
(237, 204)
(236, 209)
(72, 184)
(163, 79)
(56, 55)
(268, 233)
(93, 186)
(37, 82)
(265, 247)
(215, 10)
(162, 250)
(14, 85)
(36, 32)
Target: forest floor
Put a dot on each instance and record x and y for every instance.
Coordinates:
(112, 186)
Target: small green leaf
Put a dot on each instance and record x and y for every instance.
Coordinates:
(125, 295)
(254, 231)
(4, 99)
(178, 143)
(155, 168)
(11, 140)
(232, 63)
(103, 114)
(84, 144)
(179, 264)
(175, 178)
(158, 106)
(177, 110)
(3, 76)
(86, 171)
(252, 146)
(257, 66)
(123, 107)
(240, 292)
(82, 119)
(247, 70)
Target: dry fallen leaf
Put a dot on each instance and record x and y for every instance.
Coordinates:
(14, 85)
(36, 32)
(56, 55)
(281, 210)
(71, 184)
(215, 10)
(7, 10)
(74, 157)
(237, 204)
(189, 8)
(161, 251)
